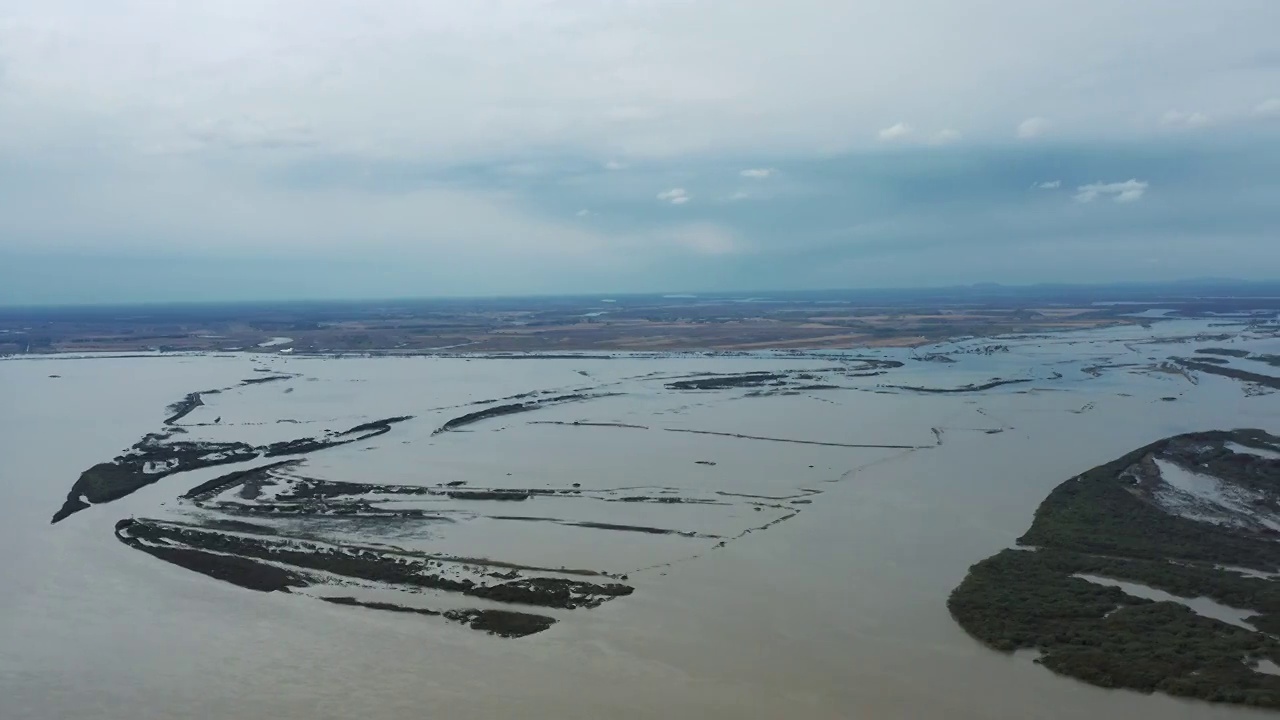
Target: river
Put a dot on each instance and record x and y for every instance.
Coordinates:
(839, 612)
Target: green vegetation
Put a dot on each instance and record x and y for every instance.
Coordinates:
(1229, 352)
(1272, 360)
(1099, 634)
(1105, 523)
(1102, 513)
(1242, 375)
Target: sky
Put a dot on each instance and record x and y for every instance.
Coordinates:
(271, 149)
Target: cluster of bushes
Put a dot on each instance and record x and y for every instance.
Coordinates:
(1100, 524)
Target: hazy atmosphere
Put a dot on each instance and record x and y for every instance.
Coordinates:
(264, 150)
(715, 359)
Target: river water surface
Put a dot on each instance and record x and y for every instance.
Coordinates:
(838, 612)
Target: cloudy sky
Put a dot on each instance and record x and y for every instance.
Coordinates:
(259, 149)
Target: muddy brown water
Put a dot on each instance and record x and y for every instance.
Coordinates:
(838, 612)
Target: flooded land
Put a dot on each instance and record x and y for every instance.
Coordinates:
(1067, 521)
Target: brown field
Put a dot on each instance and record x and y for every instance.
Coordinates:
(654, 325)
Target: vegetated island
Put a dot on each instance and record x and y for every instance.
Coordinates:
(500, 410)
(1194, 515)
(1269, 381)
(971, 387)
(158, 455)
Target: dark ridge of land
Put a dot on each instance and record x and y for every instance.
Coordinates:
(583, 423)
(725, 382)
(127, 473)
(503, 623)
(220, 483)
(665, 500)
(1110, 522)
(511, 409)
(183, 407)
(1243, 375)
(260, 380)
(1096, 370)
(551, 592)
(380, 426)
(962, 389)
(392, 568)
(991, 349)
(487, 495)
(392, 607)
(602, 526)
(632, 528)
(352, 510)
(309, 496)
(230, 525)
(156, 456)
(1231, 352)
(877, 373)
(245, 572)
(877, 364)
(799, 442)
(478, 415)
(517, 396)
(300, 446)
(312, 489)
(363, 431)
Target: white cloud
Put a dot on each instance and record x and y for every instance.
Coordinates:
(757, 173)
(522, 169)
(1032, 127)
(316, 125)
(583, 213)
(896, 132)
(944, 137)
(740, 195)
(143, 208)
(1178, 119)
(705, 239)
(675, 196)
(1049, 185)
(1123, 192)
(628, 80)
(252, 132)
